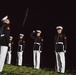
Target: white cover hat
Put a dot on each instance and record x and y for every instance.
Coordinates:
(59, 27)
(39, 31)
(4, 18)
(11, 37)
(21, 34)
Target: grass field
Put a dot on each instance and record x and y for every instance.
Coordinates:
(23, 70)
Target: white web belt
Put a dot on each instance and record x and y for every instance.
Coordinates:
(59, 43)
(2, 35)
(36, 43)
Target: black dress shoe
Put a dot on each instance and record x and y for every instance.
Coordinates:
(58, 72)
(63, 73)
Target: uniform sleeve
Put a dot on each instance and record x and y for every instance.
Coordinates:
(32, 35)
(7, 33)
(1, 29)
(65, 42)
(55, 42)
(12, 46)
(23, 45)
(18, 45)
(41, 44)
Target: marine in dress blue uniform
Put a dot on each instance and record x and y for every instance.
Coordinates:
(4, 40)
(37, 49)
(60, 43)
(10, 48)
(21, 47)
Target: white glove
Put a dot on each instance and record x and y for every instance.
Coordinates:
(33, 31)
(40, 51)
(64, 51)
(9, 44)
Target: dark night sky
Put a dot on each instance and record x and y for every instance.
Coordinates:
(43, 15)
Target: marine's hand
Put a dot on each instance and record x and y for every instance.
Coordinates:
(64, 51)
(40, 51)
(42, 40)
(33, 31)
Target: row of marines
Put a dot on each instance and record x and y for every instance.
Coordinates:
(6, 43)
